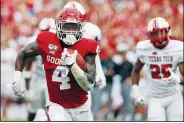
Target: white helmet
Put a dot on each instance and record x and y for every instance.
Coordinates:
(75, 5)
(46, 23)
(158, 31)
(157, 23)
(92, 31)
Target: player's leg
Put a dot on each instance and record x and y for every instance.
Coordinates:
(174, 111)
(33, 106)
(95, 106)
(34, 96)
(128, 106)
(81, 113)
(156, 112)
(41, 113)
(31, 116)
(83, 116)
(57, 113)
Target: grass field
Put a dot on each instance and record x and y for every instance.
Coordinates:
(4, 118)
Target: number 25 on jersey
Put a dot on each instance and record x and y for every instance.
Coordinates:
(159, 72)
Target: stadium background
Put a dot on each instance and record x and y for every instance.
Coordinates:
(121, 21)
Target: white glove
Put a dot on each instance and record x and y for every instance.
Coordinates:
(100, 81)
(67, 58)
(16, 86)
(173, 79)
(136, 95)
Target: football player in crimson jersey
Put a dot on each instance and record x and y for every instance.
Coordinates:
(67, 83)
(161, 56)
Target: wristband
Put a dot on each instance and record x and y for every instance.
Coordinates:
(17, 76)
(27, 74)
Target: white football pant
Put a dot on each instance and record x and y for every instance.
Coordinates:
(166, 109)
(55, 112)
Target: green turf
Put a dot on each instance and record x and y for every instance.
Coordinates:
(4, 118)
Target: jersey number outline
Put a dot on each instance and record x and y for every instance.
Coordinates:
(156, 71)
(60, 74)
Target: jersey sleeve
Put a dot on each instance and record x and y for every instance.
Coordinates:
(139, 52)
(93, 46)
(40, 42)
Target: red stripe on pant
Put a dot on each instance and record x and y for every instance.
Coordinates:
(48, 113)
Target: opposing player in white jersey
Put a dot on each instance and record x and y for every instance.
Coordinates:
(37, 87)
(161, 56)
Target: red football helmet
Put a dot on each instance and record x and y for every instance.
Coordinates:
(69, 25)
(158, 31)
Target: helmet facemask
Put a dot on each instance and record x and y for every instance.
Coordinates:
(159, 37)
(69, 32)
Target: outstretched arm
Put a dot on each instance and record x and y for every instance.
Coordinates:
(26, 52)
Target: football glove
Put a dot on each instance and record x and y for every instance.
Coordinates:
(173, 79)
(136, 95)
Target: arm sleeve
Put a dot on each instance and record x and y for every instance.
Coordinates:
(93, 46)
(40, 43)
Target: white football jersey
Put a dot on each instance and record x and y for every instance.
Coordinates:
(157, 62)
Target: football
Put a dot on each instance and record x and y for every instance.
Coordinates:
(80, 60)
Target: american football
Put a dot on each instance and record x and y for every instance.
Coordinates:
(80, 60)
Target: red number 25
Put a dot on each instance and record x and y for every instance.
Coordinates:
(156, 74)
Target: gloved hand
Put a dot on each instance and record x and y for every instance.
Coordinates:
(136, 95)
(173, 79)
(67, 58)
(16, 86)
(100, 81)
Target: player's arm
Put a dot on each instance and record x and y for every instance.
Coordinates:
(136, 94)
(85, 79)
(26, 52)
(181, 65)
(28, 72)
(136, 72)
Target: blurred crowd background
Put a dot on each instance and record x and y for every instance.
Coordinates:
(122, 22)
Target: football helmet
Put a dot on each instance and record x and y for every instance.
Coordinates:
(158, 30)
(69, 25)
(92, 31)
(46, 23)
(75, 5)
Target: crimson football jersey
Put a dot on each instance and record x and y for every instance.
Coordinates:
(62, 87)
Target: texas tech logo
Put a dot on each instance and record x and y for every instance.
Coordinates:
(53, 48)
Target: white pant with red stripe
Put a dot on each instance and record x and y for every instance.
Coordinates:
(56, 112)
